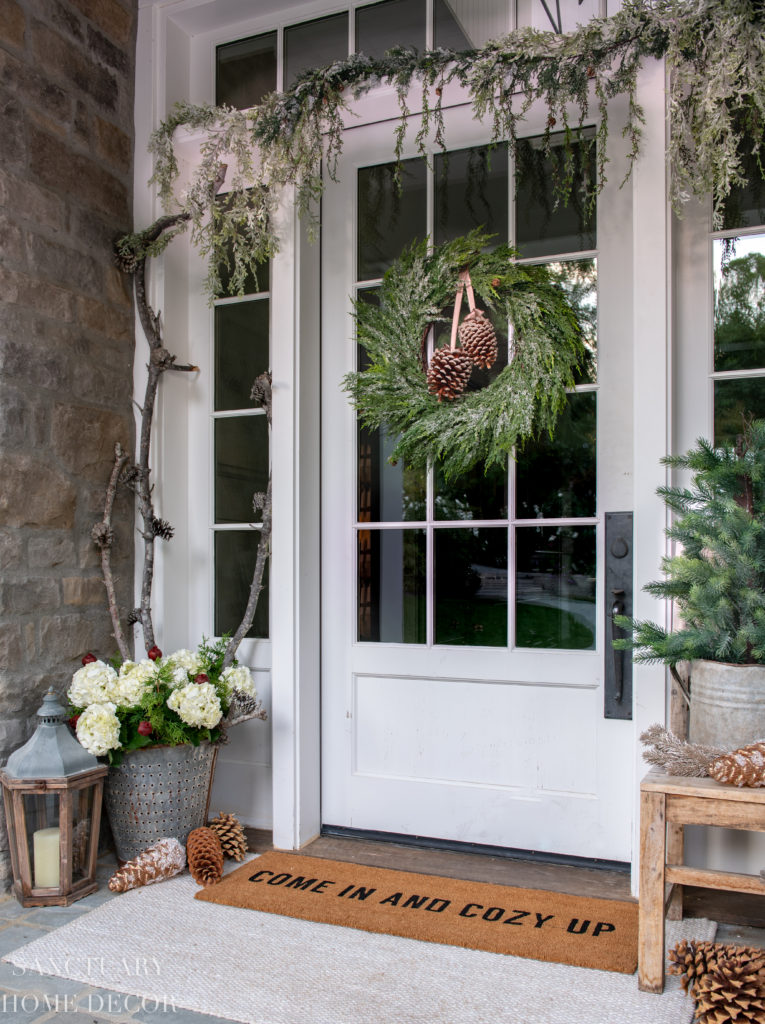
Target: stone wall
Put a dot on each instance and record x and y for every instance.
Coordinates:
(66, 337)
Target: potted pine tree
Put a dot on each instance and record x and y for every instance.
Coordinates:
(716, 577)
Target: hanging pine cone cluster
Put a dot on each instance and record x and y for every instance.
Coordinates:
(743, 767)
(478, 339)
(694, 960)
(205, 856)
(231, 835)
(449, 372)
(450, 368)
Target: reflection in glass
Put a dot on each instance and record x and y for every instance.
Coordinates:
(556, 17)
(390, 23)
(241, 351)
(744, 207)
(543, 226)
(387, 493)
(555, 587)
(468, 26)
(241, 466)
(235, 555)
(470, 585)
(471, 192)
(314, 44)
(389, 219)
(739, 325)
(245, 71)
(82, 816)
(579, 280)
(475, 495)
(555, 478)
(391, 581)
(735, 401)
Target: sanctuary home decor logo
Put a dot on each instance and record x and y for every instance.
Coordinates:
(578, 930)
(30, 1005)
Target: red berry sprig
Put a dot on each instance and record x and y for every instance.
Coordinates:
(201, 677)
(74, 720)
(144, 728)
(89, 659)
(154, 653)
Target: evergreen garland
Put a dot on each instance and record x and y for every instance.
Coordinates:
(715, 53)
(481, 426)
(718, 577)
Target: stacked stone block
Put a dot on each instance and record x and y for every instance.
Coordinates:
(66, 337)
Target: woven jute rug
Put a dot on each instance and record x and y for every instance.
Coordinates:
(579, 930)
(157, 949)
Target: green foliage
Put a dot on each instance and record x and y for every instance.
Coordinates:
(481, 426)
(717, 576)
(715, 50)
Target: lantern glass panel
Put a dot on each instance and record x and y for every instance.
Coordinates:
(41, 814)
(82, 830)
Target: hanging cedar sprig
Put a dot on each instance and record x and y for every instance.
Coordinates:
(714, 49)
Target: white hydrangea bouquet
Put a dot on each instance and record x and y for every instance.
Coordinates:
(186, 697)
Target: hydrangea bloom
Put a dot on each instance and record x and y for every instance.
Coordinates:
(98, 728)
(92, 684)
(183, 663)
(196, 704)
(238, 677)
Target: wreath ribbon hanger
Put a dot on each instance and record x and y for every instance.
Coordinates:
(464, 282)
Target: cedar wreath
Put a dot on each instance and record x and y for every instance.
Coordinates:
(481, 426)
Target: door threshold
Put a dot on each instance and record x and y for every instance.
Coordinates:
(480, 849)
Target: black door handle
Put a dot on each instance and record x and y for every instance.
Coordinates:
(617, 608)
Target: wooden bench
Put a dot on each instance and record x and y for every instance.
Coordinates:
(667, 804)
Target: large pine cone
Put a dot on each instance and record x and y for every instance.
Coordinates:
(449, 372)
(693, 960)
(743, 767)
(231, 834)
(732, 994)
(478, 338)
(205, 856)
(162, 860)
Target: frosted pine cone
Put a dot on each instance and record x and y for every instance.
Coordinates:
(478, 339)
(743, 767)
(205, 855)
(231, 834)
(449, 372)
(162, 860)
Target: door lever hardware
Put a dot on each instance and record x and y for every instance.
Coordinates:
(617, 608)
(617, 665)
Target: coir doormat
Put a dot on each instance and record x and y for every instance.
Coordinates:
(579, 930)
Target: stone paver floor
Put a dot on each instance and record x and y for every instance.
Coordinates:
(32, 998)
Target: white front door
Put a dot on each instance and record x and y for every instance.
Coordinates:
(463, 636)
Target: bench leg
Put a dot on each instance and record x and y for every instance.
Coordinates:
(675, 855)
(653, 837)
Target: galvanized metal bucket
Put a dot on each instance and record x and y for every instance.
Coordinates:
(158, 792)
(727, 704)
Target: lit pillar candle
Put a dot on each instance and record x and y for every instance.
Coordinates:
(47, 857)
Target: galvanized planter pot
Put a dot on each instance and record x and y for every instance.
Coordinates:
(727, 704)
(158, 792)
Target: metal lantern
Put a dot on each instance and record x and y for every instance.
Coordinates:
(53, 789)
